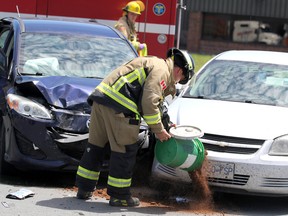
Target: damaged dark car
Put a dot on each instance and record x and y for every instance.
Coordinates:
(47, 70)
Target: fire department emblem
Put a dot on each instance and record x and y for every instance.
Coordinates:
(159, 9)
(163, 85)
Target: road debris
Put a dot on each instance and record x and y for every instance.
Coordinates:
(21, 194)
(5, 204)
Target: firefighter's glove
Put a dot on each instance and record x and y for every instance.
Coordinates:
(166, 120)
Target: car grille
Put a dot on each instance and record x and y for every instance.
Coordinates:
(237, 180)
(70, 144)
(231, 144)
(166, 169)
(26, 147)
(74, 145)
(72, 122)
(274, 182)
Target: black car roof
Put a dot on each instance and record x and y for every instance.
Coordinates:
(65, 26)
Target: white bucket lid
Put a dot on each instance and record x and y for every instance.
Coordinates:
(185, 132)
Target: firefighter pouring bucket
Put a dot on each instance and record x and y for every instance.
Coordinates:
(183, 150)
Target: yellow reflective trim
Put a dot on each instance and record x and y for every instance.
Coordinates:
(132, 76)
(113, 91)
(152, 119)
(142, 76)
(120, 82)
(137, 74)
(118, 97)
(119, 183)
(88, 174)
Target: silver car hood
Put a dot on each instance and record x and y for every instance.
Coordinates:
(230, 118)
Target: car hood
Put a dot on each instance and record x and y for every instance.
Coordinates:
(230, 118)
(62, 91)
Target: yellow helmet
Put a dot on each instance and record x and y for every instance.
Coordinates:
(134, 7)
(142, 5)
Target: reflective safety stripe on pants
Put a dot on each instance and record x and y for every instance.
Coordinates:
(88, 174)
(89, 168)
(120, 172)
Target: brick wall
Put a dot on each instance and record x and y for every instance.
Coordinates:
(194, 31)
(196, 45)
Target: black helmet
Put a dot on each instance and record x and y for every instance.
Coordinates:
(183, 60)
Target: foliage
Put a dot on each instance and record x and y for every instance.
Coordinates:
(200, 60)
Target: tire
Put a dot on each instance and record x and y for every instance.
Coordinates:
(5, 168)
(162, 186)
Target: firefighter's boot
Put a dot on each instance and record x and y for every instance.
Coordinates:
(130, 202)
(81, 194)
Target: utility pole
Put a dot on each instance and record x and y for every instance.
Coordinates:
(180, 7)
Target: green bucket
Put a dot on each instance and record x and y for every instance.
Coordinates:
(180, 153)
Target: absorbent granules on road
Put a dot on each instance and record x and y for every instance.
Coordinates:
(201, 191)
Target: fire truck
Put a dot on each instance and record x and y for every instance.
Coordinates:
(155, 26)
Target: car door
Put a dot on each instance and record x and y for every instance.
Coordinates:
(6, 56)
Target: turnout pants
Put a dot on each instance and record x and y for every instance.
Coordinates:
(121, 132)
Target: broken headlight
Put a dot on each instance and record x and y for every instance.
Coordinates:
(27, 107)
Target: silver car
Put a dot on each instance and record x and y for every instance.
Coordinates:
(240, 101)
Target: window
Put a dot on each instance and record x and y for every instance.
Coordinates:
(3, 37)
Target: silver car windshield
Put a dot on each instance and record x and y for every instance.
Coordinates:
(240, 81)
(48, 54)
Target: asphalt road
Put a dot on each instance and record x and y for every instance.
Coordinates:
(55, 196)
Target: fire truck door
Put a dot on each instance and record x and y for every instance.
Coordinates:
(156, 26)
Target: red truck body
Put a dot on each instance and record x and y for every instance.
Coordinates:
(155, 26)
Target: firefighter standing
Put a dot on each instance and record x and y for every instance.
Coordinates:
(126, 25)
(134, 90)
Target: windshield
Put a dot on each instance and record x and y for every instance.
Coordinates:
(48, 54)
(240, 81)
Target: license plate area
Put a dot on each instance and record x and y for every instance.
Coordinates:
(221, 170)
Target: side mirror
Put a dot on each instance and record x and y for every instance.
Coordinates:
(3, 64)
(179, 88)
